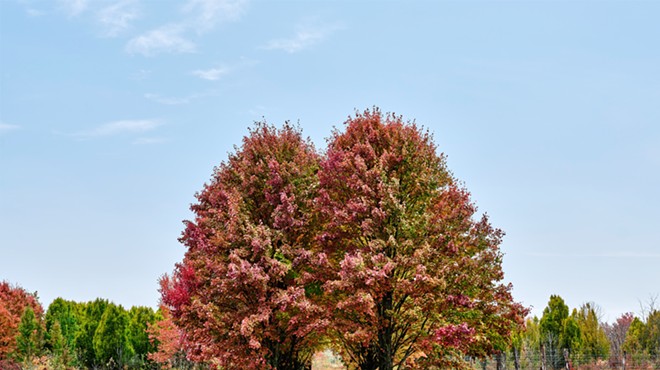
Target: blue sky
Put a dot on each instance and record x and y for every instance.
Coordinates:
(114, 113)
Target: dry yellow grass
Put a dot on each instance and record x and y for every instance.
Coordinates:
(326, 360)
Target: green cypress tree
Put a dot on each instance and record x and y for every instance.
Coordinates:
(57, 345)
(652, 334)
(571, 337)
(28, 340)
(111, 337)
(634, 343)
(91, 316)
(69, 317)
(140, 318)
(56, 339)
(594, 342)
(552, 327)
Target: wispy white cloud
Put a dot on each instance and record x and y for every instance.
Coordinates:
(33, 12)
(305, 37)
(120, 127)
(167, 100)
(5, 127)
(202, 15)
(211, 74)
(207, 13)
(74, 7)
(150, 140)
(165, 39)
(215, 73)
(117, 18)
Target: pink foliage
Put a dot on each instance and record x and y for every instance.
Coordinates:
(409, 270)
(375, 246)
(238, 294)
(169, 339)
(456, 336)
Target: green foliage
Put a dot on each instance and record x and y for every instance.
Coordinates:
(89, 335)
(552, 321)
(652, 333)
(552, 328)
(56, 340)
(644, 337)
(111, 337)
(92, 313)
(139, 320)
(634, 342)
(531, 336)
(57, 345)
(526, 343)
(594, 342)
(68, 317)
(570, 337)
(28, 341)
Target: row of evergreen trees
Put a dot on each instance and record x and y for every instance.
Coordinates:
(581, 338)
(94, 334)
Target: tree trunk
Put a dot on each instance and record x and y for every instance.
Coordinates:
(516, 358)
(386, 352)
(370, 360)
(499, 361)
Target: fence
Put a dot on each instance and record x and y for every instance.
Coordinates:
(536, 361)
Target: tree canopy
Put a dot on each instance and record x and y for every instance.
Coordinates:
(237, 293)
(373, 247)
(411, 274)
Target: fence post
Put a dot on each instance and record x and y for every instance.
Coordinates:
(542, 357)
(516, 358)
(623, 361)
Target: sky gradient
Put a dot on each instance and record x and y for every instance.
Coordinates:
(114, 113)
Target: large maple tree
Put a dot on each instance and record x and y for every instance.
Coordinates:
(237, 293)
(374, 248)
(411, 276)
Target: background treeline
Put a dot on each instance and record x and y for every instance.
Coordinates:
(102, 335)
(92, 335)
(580, 339)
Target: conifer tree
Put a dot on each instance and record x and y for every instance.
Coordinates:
(111, 343)
(28, 341)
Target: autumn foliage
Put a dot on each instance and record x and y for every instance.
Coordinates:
(237, 292)
(410, 275)
(169, 340)
(13, 302)
(373, 248)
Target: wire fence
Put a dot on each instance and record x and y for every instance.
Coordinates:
(549, 362)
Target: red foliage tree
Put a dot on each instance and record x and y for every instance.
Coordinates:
(168, 340)
(237, 294)
(13, 301)
(411, 277)
(616, 333)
